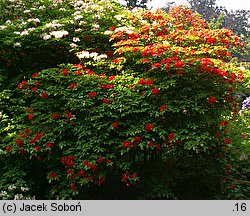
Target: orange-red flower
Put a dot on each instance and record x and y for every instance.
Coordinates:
(115, 125)
(149, 127)
(92, 94)
(211, 99)
(44, 95)
(8, 148)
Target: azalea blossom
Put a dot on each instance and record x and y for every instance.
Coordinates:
(2, 27)
(34, 20)
(78, 17)
(24, 32)
(73, 45)
(45, 36)
(76, 39)
(211, 99)
(83, 54)
(53, 24)
(17, 44)
(59, 34)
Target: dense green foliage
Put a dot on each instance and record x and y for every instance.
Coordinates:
(97, 99)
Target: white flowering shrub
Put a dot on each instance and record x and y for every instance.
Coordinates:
(44, 33)
(38, 34)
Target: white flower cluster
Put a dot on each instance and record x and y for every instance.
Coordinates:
(45, 36)
(75, 40)
(17, 44)
(54, 24)
(11, 187)
(94, 55)
(128, 30)
(24, 189)
(108, 32)
(22, 197)
(58, 34)
(119, 16)
(78, 17)
(2, 27)
(34, 20)
(24, 32)
(95, 26)
(9, 195)
(3, 193)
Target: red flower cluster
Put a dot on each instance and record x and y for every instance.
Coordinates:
(223, 123)
(137, 139)
(8, 148)
(44, 95)
(151, 144)
(105, 100)
(79, 73)
(211, 40)
(170, 136)
(149, 127)
(92, 94)
(163, 107)
(37, 137)
(155, 49)
(73, 188)
(227, 141)
(155, 91)
(99, 160)
(34, 75)
(34, 89)
(72, 86)
(211, 99)
(179, 64)
(127, 144)
(55, 116)
(118, 60)
(112, 28)
(22, 85)
(112, 78)
(81, 172)
(89, 72)
(70, 171)
(30, 116)
(90, 165)
(37, 148)
(142, 81)
(78, 66)
(65, 72)
(68, 161)
(145, 60)
(156, 65)
(106, 86)
(52, 175)
(232, 186)
(19, 142)
(115, 125)
(37, 83)
(67, 114)
(48, 145)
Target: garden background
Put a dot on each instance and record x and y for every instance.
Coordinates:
(104, 101)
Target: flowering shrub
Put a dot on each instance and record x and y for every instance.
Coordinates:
(166, 94)
(44, 33)
(246, 103)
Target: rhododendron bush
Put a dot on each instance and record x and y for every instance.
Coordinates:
(164, 95)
